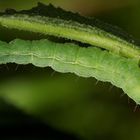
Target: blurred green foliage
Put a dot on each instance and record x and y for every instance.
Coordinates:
(67, 102)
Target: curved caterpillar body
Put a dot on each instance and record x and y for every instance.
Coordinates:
(85, 62)
(71, 30)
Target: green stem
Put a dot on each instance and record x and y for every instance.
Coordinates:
(72, 30)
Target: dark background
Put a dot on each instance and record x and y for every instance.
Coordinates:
(38, 103)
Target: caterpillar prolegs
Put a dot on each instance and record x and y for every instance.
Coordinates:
(86, 62)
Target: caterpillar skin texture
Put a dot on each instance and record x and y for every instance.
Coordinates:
(72, 30)
(86, 62)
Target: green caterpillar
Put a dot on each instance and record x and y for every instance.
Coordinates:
(85, 62)
(117, 64)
